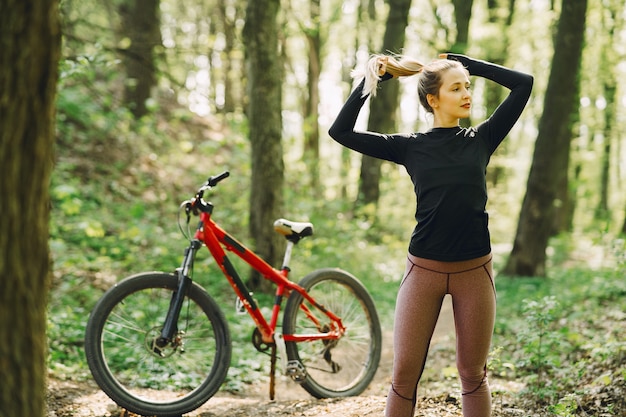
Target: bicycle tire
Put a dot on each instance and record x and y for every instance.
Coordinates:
(125, 365)
(357, 352)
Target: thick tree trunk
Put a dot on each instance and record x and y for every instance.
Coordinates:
(264, 70)
(551, 156)
(383, 108)
(141, 25)
(29, 56)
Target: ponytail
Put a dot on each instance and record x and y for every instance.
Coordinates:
(378, 65)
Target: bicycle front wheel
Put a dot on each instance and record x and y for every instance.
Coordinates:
(125, 362)
(334, 368)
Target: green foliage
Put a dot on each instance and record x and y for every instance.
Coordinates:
(566, 406)
(565, 338)
(541, 344)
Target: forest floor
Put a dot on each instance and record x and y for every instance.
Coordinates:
(438, 394)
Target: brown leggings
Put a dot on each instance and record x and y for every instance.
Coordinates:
(419, 300)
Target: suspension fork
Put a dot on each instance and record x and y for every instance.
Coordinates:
(170, 326)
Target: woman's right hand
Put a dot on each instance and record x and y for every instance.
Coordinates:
(381, 65)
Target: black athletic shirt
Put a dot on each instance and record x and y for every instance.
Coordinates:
(447, 166)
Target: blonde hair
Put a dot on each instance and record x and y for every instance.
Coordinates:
(378, 64)
(403, 66)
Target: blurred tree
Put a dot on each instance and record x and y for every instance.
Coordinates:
(495, 46)
(382, 117)
(311, 110)
(29, 57)
(612, 21)
(264, 76)
(229, 12)
(551, 155)
(623, 231)
(462, 16)
(141, 33)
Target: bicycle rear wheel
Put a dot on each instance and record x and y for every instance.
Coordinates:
(120, 350)
(334, 368)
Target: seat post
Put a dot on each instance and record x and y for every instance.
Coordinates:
(287, 257)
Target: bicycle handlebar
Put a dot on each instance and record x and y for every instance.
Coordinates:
(197, 204)
(212, 181)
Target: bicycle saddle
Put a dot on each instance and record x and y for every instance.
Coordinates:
(293, 231)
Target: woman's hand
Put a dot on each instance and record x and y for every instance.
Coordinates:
(381, 65)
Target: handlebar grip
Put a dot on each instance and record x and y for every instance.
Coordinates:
(212, 181)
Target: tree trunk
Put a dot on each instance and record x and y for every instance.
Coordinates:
(607, 68)
(623, 231)
(495, 50)
(29, 57)
(141, 26)
(365, 23)
(311, 114)
(264, 70)
(383, 108)
(229, 13)
(551, 156)
(462, 15)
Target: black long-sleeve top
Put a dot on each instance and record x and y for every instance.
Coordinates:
(447, 166)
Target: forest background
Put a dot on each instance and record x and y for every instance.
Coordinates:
(153, 96)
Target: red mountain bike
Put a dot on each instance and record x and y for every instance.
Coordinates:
(158, 344)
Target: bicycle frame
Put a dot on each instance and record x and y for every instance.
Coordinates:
(218, 241)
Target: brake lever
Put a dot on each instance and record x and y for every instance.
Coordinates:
(190, 208)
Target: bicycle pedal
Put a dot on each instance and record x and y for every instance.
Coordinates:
(296, 371)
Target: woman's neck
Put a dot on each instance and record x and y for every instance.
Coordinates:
(445, 123)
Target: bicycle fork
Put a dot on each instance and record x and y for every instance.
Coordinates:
(170, 326)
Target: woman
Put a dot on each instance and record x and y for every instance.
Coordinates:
(449, 251)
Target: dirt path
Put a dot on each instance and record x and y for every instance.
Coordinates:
(438, 398)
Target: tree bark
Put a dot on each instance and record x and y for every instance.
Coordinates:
(141, 26)
(383, 108)
(264, 72)
(495, 50)
(607, 68)
(551, 156)
(231, 69)
(31, 40)
(311, 115)
(462, 16)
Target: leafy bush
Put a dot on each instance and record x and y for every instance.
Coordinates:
(565, 338)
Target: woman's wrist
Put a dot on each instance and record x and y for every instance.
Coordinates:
(386, 76)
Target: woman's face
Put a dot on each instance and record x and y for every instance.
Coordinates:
(454, 99)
